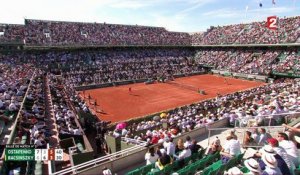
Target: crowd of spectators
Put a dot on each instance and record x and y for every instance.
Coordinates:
(252, 33)
(109, 66)
(14, 81)
(64, 115)
(253, 106)
(11, 33)
(250, 61)
(40, 32)
(59, 33)
(32, 120)
(289, 62)
(278, 155)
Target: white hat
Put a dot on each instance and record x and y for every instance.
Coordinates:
(252, 165)
(162, 151)
(268, 150)
(297, 139)
(234, 171)
(269, 160)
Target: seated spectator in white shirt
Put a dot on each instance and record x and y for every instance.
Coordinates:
(231, 148)
(70, 114)
(169, 146)
(6, 95)
(185, 153)
(19, 93)
(29, 96)
(76, 131)
(12, 107)
(3, 87)
(289, 147)
(151, 156)
(59, 117)
(35, 108)
(106, 171)
(264, 136)
(117, 133)
(39, 142)
(280, 151)
(23, 87)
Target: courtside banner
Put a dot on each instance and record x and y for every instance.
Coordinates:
(260, 77)
(240, 75)
(251, 76)
(215, 71)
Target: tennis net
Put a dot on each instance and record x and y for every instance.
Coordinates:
(183, 86)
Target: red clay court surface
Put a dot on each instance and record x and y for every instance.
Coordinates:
(118, 104)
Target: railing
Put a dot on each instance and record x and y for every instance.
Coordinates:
(134, 141)
(270, 116)
(75, 169)
(280, 128)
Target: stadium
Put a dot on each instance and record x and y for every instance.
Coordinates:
(101, 98)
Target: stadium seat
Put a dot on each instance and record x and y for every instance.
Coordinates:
(194, 157)
(155, 172)
(168, 169)
(176, 165)
(187, 160)
(222, 169)
(206, 171)
(183, 171)
(245, 170)
(201, 164)
(147, 168)
(201, 153)
(193, 169)
(239, 158)
(135, 172)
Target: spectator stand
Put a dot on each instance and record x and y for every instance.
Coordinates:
(8, 139)
(12, 138)
(62, 105)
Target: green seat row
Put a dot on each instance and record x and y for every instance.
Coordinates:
(199, 165)
(219, 168)
(146, 170)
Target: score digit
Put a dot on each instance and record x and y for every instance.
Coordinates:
(272, 22)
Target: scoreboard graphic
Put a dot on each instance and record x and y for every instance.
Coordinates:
(30, 153)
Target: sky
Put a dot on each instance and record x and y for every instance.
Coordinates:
(174, 15)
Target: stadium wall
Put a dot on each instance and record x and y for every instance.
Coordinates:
(241, 75)
(96, 86)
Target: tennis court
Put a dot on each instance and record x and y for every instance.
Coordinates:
(119, 104)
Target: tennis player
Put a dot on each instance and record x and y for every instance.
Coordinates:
(225, 81)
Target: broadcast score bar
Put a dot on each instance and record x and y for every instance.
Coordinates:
(30, 153)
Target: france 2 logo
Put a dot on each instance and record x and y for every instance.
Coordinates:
(272, 22)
